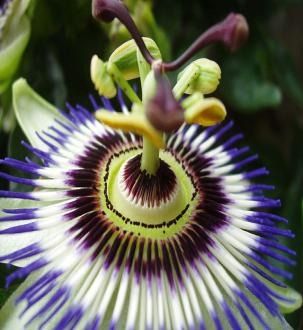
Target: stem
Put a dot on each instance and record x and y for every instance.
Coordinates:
(150, 155)
(144, 68)
(122, 82)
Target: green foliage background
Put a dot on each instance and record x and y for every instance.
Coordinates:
(261, 84)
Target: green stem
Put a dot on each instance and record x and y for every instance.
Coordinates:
(144, 68)
(150, 155)
(122, 82)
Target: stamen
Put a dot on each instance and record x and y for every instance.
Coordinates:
(201, 76)
(101, 78)
(206, 112)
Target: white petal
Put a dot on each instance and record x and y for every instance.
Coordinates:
(14, 242)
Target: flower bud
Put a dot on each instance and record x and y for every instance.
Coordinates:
(207, 78)
(101, 78)
(125, 57)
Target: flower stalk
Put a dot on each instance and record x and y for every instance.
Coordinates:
(150, 153)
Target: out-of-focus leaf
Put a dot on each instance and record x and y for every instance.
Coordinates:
(245, 87)
(7, 117)
(50, 78)
(44, 22)
(285, 72)
(10, 55)
(56, 79)
(5, 293)
(292, 209)
(148, 26)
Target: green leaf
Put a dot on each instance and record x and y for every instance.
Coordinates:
(33, 113)
(10, 312)
(5, 293)
(244, 86)
(285, 71)
(11, 52)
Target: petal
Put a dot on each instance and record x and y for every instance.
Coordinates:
(293, 302)
(34, 114)
(197, 267)
(274, 322)
(11, 311)
(11, 243)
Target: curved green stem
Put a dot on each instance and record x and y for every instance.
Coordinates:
(122, 82)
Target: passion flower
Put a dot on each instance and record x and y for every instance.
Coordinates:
(184, 248)
(132, 226)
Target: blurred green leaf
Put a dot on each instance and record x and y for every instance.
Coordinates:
(292, 209)
(245, 86)
(285, 72)
(5, 293)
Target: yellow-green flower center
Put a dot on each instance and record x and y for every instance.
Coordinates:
(154, 207)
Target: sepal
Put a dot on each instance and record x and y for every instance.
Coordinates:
(33, 113)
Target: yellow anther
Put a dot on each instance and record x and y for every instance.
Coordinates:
(205, 112)
(100, 77)
(202, 75)
(192, 100)
(134, 122)
(125, 57)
